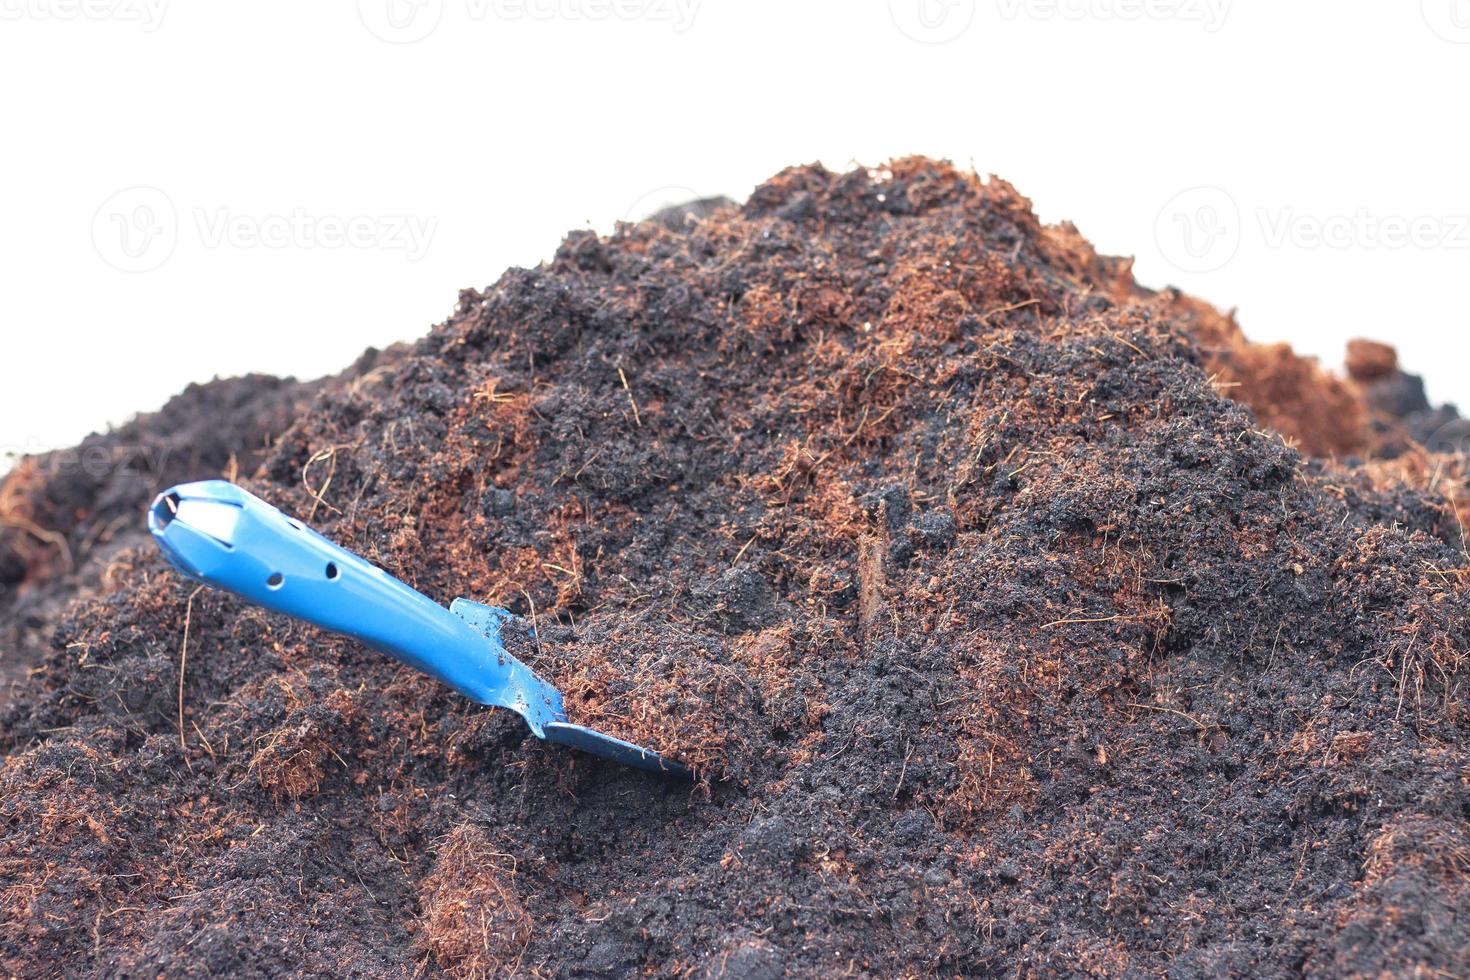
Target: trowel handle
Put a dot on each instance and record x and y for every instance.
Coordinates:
(223, 536)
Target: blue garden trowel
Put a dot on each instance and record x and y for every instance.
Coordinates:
(221, 535)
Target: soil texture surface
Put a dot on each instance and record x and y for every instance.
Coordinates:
(1017, 621)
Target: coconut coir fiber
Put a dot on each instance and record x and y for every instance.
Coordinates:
(1005, 637)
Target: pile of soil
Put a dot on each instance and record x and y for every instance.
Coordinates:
(1003, 636)
(65, 515)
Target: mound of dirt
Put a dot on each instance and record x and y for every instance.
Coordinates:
(1399, 410)
(1003, 639)
(64, 516)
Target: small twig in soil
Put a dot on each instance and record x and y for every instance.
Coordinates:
(861, 422)
(1434, 480)
(1404, 673)
(200, 732)
(904, 771)
(53, 538)
(184, 660)
(318, 495)
(1216, 383)
(870, 580)
(631, 400)
(1009, 309)
(1125, 343)
(1064, 622)
(741, 553)
(1172, 711)
(535, 627)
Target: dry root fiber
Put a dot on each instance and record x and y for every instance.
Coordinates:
(473, 923)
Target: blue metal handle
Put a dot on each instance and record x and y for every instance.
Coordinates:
(221, 535)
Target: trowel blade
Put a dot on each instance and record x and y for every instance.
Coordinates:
(608, 747)
(541, 704)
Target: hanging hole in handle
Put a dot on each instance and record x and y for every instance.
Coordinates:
(333, 572)
(295, 524)
(166, 508)
(276, 580)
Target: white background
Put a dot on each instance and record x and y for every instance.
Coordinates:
(179, 176)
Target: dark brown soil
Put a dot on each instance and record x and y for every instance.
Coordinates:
(64, 516)
(1003, 640)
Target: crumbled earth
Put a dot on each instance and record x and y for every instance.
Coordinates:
(1005, 638)
(64, 516)
(1320, 414)
(1400, 413)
